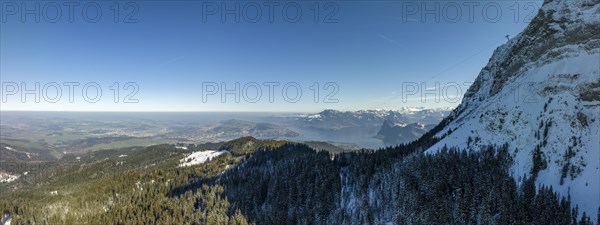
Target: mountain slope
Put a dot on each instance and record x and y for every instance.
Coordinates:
(240, 128)
(395, 134)
(540, 93)
(333, 120)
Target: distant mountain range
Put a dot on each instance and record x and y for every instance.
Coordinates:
(60, 133)
(369, 128)
(336, 120)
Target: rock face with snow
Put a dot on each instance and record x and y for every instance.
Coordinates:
(540, 92)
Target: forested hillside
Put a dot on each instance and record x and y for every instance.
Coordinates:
(289, 183)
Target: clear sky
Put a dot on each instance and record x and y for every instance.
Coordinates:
(177, 54)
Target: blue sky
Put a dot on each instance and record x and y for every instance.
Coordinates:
(368, 54)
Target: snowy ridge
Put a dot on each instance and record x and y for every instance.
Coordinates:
(17, 151)
(382, 113)
(199, 157)
(541, 91)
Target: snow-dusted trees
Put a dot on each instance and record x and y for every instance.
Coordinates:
(293, 184)
(377, 187)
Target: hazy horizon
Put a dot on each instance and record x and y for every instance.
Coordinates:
(349, 56)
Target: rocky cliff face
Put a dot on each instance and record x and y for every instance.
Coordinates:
(540, 93)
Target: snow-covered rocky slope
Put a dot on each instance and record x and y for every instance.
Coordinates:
(541, 92)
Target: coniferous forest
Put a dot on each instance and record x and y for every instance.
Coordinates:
(276, 182)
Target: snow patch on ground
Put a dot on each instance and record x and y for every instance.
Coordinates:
(17, 151)
(199, 157)
(7, 178)
(6, 220)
